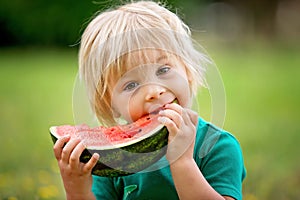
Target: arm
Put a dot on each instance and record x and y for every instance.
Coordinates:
(190, 183)
(188, 179)
(76, 176)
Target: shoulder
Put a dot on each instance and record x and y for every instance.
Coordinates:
(219, 157)
(212, 138)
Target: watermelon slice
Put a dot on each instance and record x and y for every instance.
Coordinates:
(124, 149)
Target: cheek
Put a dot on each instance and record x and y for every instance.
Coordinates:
(120, 105)
(184, 96)
(129, 107)
(135, 107)
(180, 87)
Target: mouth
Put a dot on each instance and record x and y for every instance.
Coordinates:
(175, 101)
(156, 108)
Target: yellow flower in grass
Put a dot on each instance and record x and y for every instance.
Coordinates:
(27, 183)
(12, 198)
(44, 177)
(47, 192)
(249, 197)
(5, 180)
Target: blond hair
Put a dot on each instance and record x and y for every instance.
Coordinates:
(130, 27)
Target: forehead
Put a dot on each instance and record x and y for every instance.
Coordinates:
(143, 57)
(136, 59)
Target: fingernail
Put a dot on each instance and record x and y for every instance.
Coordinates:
(162, 112)
(66, 136)
(96, 156)
(161, 120)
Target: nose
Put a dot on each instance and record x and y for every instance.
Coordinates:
(154, 92)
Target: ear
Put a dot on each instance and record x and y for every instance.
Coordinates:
(189, 76)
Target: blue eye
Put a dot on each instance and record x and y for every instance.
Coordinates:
(162, 70)
(130, 86)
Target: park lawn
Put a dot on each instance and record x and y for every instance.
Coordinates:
(262, 111)
(262, 87)
(36, 88)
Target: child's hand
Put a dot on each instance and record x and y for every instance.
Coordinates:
(181, 124)
(76, 176)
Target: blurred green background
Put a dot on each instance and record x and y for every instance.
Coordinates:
(255, 44)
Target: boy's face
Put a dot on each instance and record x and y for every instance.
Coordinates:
(149, 84)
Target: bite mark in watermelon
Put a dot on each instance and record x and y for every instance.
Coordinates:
(124, 149)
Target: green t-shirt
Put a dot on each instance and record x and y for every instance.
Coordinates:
(217, 154)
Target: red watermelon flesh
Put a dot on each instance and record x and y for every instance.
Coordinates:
(110, 137)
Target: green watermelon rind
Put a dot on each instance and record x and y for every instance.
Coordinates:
(130, 159)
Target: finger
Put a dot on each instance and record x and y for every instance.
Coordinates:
(176, 107)
(75, 155)
(193, 116)
(91, 163)
(186, 118)
(189, 117)
(173, 115)
(68, 149)
(58, 146)
(171, 126)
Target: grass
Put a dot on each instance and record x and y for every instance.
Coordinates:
(262, 87)
(262, 111)
(36, 89)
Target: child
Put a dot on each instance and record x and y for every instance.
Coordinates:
(136, 59)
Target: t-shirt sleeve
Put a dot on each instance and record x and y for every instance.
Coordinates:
(222, 165)
(103, 188)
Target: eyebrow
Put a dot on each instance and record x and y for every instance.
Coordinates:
(160, 58)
